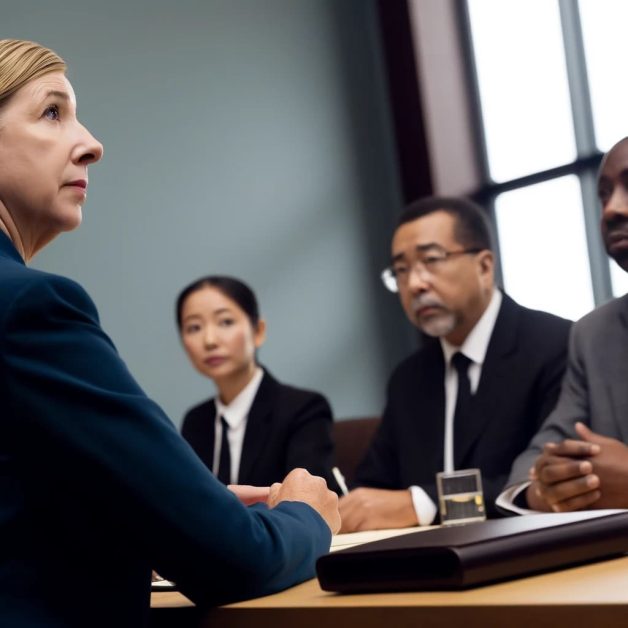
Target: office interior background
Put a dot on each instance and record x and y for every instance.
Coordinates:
(277, 141)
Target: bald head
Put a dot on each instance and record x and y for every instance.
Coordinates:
(613, 195)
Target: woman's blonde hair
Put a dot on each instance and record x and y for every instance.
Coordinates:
(22, 61)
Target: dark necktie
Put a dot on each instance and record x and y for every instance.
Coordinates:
(224, 465)
(463, 400)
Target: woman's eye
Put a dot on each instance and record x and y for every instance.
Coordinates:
(192, 329)
(226, 322)
(52, 112)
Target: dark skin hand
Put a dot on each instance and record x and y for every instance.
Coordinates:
(610, 465)
(580, 474)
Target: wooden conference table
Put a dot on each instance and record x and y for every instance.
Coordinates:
(589, 595)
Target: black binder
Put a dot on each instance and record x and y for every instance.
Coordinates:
(459, 557)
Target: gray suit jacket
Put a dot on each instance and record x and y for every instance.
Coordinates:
(595, 388)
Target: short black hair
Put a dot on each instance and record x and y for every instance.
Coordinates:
(473, 229)
(233, 288)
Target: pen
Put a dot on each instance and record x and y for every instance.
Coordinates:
(340, 479)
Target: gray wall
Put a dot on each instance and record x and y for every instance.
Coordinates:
(248, 137)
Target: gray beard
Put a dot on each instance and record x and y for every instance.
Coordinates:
(439, 326)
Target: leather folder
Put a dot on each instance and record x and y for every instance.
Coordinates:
(459, 557)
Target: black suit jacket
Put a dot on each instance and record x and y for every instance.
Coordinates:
(97, 487)
(286, 428)
(519, 386)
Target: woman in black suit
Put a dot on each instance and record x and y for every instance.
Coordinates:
(257, 429)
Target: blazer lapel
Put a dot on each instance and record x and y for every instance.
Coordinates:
(488, 397)
(428, 405)
(200, 431)
(618, 392)
(257, 427)
(211, 433)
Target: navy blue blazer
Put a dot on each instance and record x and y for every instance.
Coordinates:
(97, 487)
(519, 386)
(287, 427)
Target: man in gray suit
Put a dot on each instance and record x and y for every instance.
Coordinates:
(579, 458)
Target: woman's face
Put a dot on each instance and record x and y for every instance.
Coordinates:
(44, 154)
(218, 335)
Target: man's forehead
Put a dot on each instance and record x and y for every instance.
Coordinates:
(616, 159)
(435, 229)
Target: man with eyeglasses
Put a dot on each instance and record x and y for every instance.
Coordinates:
(579, 458)
(506, 359)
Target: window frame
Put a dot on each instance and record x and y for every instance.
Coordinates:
(588, 158)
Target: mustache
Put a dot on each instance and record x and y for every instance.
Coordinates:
(425, 300)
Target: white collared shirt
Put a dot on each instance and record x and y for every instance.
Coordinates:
(236, 415)
(506, 499)
(474, 347)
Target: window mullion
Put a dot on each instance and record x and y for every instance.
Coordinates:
(598, 260)
(577, 78)
(475, 102)
(584, 130)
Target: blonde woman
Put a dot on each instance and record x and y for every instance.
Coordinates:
(96, 485)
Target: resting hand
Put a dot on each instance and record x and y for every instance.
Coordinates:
(563, 478)
(375, 508)
(248, 494)
(301, 486)
(610, 465)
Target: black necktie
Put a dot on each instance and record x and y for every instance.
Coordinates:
(224, 465)
(463, 400)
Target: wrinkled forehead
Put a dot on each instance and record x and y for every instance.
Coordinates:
(52, 85)
(56, 81)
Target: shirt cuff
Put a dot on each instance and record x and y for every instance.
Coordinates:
(507, 498)
(423, 506)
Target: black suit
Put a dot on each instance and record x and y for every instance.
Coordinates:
(519, 386)
(286, 428)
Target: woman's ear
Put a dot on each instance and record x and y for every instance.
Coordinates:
(260, 333)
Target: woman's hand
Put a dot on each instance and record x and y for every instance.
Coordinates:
(300, 486)
(248, 494)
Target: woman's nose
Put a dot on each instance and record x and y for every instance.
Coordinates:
(209, 338)
(88, 150)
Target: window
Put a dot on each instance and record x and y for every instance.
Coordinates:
(604, 32)
(523, 88)
(548, 75)
(537, 261)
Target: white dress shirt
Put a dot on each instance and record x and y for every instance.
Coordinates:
(236, 415)
(506, 499)
(474, 347)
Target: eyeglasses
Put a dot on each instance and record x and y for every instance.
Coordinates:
(429, 262)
